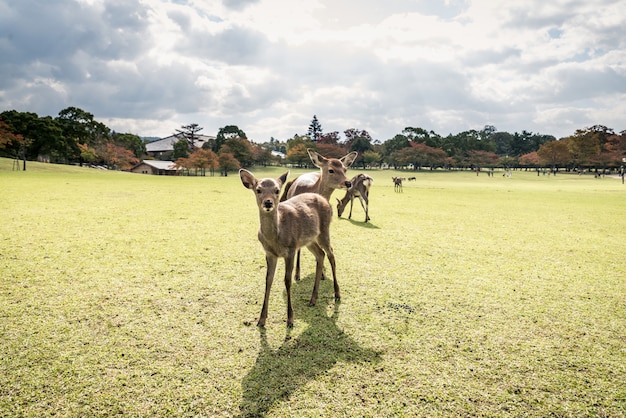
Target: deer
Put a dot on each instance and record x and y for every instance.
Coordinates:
(285, 227)
(360, 189)
(332, 175)
(397, 184)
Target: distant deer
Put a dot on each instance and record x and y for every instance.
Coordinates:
(332, 175)
(302, 221)
(360, 189)
(397, 184)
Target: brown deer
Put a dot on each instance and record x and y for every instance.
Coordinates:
(397, 184)
(360, 189)
(332, 175)
(302, 221)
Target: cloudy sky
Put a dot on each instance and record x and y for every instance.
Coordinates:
(150, 66)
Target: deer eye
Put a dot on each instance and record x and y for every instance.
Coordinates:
(277, 191)
(331, 171)
(258, 191)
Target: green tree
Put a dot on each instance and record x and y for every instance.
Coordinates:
(190, 134)
(372, 158)
(315, 129)
(130, 141)
(181, 149)
(230, 131)
(241, 149)
(79, 127)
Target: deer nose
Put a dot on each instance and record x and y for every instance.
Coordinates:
(348, 184)
(268, 204)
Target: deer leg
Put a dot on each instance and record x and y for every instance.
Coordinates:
(297, 276)
(269, 277)
(331, 257)
(364, 206)
(288, 273)
(351, 201)
(319, 270)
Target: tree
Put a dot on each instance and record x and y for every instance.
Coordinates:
(478, 158)
(372, 158)
(241, 149)
(530, 160)
(181, 149)
(118, 157)
(315, 129)
(7, 137)
(130, 141)
(203, 159)
(87, 153)
(331, 138)
(298, 155)
(554, 154)
(584, 146)
(230, 131)
(80, 127)
(227, 160)
(190, 134)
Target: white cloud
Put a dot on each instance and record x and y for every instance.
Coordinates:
(149, 66)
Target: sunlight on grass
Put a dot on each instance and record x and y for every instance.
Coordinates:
(464, 296)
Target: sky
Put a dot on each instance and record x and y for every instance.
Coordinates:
(149, 67)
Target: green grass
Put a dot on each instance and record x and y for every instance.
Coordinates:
(465, 296)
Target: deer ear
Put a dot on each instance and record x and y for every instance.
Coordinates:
(348, 159)
(283, 178)
(316, 158)
(247, 178)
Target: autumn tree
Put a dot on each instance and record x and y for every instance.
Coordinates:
(202, 159)
(7, 138)
(298, 155)
(530, 159)
(480, 158)
(118, 157)
(227, 161)
(554, 154)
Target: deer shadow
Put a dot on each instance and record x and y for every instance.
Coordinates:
(368, 225)
(278, 373)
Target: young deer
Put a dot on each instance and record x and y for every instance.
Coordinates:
(360, 189)
(332, 175)
(302, 221)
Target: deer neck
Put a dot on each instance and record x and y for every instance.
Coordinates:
(269, 224)
(323, 187)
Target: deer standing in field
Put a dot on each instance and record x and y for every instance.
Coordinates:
(360, 189)
(332, 175)
(397, 184)
(302, 221)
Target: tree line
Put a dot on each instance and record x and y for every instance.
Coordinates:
(75, 137)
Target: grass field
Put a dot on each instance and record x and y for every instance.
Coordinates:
(134, 295)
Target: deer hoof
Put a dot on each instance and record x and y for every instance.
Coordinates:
(311, 303)
(289, 324)
(260, 324)
(337, 298)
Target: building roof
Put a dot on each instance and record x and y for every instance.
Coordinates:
(160, 165)
(167, 144)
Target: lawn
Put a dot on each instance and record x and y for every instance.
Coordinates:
(136, 295)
